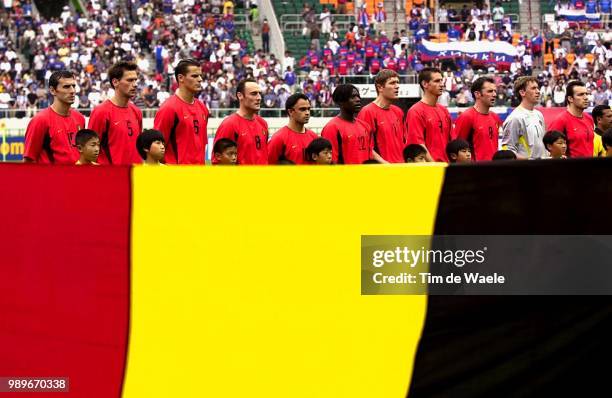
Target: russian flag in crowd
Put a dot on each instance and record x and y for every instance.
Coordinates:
(487, 52)
(579, 16)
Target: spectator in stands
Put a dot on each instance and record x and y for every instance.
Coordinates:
(498, 13)
(265, 36)
(325, 19)
(363, 18)
(380, 16)
(442, 16)
(308, 15)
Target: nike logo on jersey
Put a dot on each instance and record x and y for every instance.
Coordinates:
(116, 123)
(185, 116)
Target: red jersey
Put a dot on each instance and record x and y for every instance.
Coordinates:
(49, 137)
(387, 130)
(429, 125)
(580, 132)
(350, 141)
(290, 145)
(251, 137)
(184, 128)
(481, 131)
(118, 128)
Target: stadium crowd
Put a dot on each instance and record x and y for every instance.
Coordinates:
(156, 34)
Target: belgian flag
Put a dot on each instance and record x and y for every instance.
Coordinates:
(231, 282)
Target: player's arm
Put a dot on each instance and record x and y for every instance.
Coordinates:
(513, 130)
(165, 120)
(463, 127)
(330, 133)
(139, 117)
(98, 122)
(276, 147)
(205, 129)
(378, 158)
(34, 138)
(368, 119)
(415, 128)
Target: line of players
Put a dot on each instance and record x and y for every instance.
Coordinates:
(377, 133)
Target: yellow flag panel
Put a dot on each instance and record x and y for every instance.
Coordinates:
(246, 281)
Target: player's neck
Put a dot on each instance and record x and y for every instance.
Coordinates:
(295, 126)
(349, 117)
(245, 113)
(185, 95)
(480, 108)
(574, 111)
(84, 161)
(151, 161)
(527, 105)
(61, 108)
(120, 101)
(429, 99)
(382, 102)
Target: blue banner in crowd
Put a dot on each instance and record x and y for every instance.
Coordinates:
(12, 148)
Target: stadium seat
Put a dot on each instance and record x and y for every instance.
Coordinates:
(590, 57)
(571, 58)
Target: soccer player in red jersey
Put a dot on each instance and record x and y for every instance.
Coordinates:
(479, 126)
(385, 120)
(291, 141)
(50, 134)
(183, 118)
(245, 127)
(118, 121)
(576, 124)
(427, 122)
(349, 136)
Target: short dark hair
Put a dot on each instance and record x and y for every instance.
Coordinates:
(426, 73)
(293, 99)
(370, 161)
(222, 144)
(606, 139)
(116, 71)
(551, 136)
(242, 84)
(285, 162)
(479, 84)
(455, 146)
(412, 151)
(569, 89)
(504, 154)
(598, 111)
(316, 146)
(60, 74)
(145, 139)
(343, 93)
(84, 135)
(183, 66)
